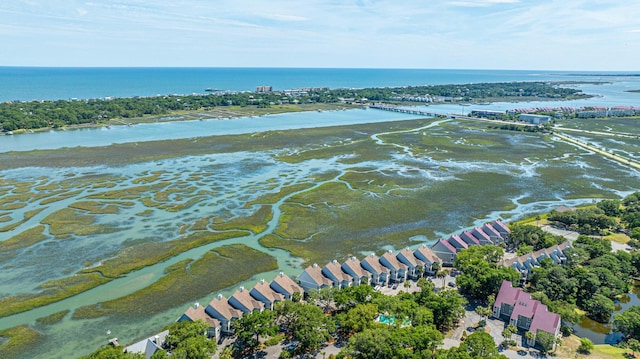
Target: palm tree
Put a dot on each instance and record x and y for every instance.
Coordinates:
(530, 336)
(435, 267)
(443, 274)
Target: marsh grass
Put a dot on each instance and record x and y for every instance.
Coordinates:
(128, 259)
(148, 253)
(68, 221)
(24, 239)
(52, 291)
(96, 207)
(127, 153)
(272, 198)
(186, 281)
(27, 216)
(145, 213)
(132, 193)
(255, 223)
(382, 199)
(65, 195)
(610, 124)
(53, 318)
(18, 340)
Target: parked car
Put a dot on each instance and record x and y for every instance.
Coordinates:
(451, 284)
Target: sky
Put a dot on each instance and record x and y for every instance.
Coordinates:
(434, 34)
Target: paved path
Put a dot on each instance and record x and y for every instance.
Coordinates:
(617, 158)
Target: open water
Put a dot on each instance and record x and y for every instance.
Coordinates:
(43, 83)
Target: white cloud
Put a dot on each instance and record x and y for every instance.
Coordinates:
(481, 3)
(333, 33)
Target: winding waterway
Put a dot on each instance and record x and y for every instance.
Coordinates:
(234, 180)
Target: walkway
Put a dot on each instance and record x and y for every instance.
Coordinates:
(617, 158)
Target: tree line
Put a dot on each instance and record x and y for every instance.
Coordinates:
(60, 113)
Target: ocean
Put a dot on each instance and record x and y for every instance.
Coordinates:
(44, 83)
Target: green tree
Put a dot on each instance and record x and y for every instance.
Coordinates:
(481, 275)
(483, 312)
(610, 207)
(111, 352)
(407, 284)
(443, 273)
(305, 323)
(586, 346)
(323, 297)
(599, 308)
(529, 336)
(546, 341)
(382, 342)
(447, 307)
(634, 345)
(425, 284)
(188, 340)
(349, 297)
(628, 322)
(249, 327)
(226, 353)
(360, 318)
(480, 345)
(194, 348)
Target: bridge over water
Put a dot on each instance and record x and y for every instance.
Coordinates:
(405, 110)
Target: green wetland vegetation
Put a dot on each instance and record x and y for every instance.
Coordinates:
(90, 216)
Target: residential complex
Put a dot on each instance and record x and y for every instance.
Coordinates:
(518, 308)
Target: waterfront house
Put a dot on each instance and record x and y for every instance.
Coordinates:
(469, 238)
(148, 346)
(333, 271)
(445, 251)
(412, 263)
(286, 286)
(493, 234)
(502, 229)
(353, 268)
(243, 301)
(397, 270)
(312, 278)
(481, 236)
(519, 309)
(220, 309)
(197, 312)
(427, 256)
(379, 274)
(263, 292)
(457, 242)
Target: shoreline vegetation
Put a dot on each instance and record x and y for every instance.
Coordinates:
(324, 202)
(16, 117)
(77, 219)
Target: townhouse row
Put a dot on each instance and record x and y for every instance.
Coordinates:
(406, 264)
(220, 312)
(374, 270)
(526, 262)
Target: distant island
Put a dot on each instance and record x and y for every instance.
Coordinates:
(34, 115)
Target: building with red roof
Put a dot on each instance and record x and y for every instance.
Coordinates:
(518, 308)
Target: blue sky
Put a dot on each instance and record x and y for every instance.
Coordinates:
(470, 34)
